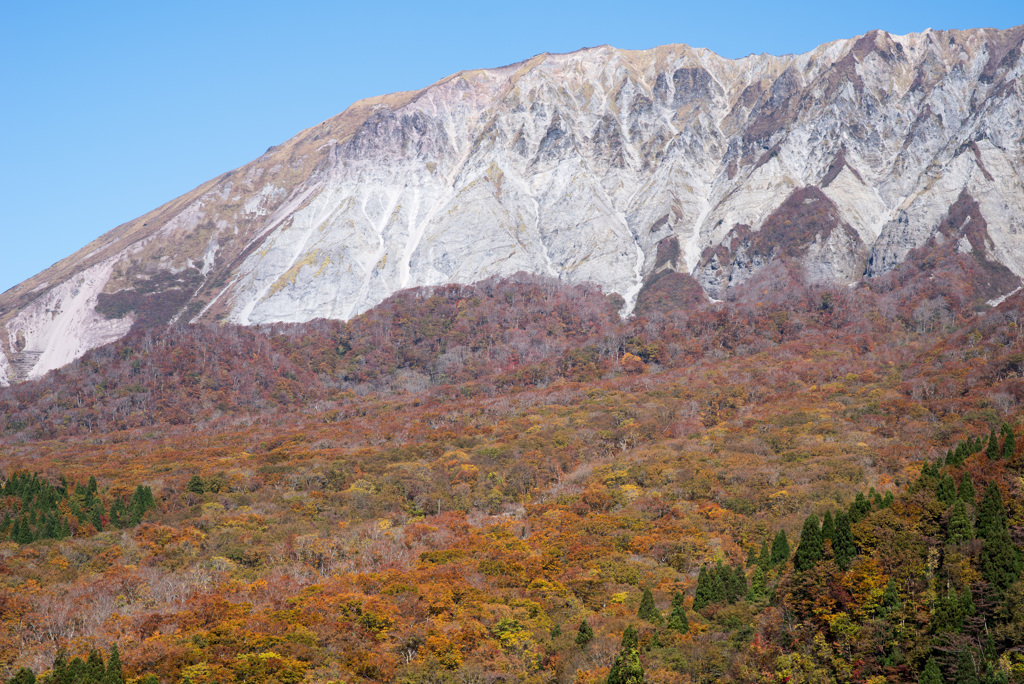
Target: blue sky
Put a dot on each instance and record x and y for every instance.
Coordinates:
(110, 109)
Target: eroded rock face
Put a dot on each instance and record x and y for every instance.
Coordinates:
(575, 166)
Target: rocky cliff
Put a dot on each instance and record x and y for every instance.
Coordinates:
(583, 167)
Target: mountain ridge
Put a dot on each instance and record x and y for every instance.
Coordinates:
(574, 166)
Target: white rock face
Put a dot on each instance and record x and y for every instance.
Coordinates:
(576, 166)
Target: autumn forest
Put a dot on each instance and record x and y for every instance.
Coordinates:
(506, 482)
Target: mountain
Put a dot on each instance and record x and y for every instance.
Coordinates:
(607, 166)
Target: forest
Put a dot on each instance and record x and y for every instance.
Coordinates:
(506, 482)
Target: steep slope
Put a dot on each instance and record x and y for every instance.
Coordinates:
(575, 166)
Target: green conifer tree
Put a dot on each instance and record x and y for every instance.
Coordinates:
(965, 492)
(737, 585)
(585, 634)
(992, 451)
(59, 672)
(991, 513)
(1000, 559)
(966, 672)
(890, 602)
(702, 596)
(1009, 442)
(677, 620)
(627, 668)
(780, 549)
(843, 547)
(828, 526)
(23, 676)
(751, 555)
(114, 673)
(758, 586)
(719, 593)
(959, 528)
(648, 611)
(764, 558)
(809, 550)
(94, 667)
(931, 673)
(946, 491)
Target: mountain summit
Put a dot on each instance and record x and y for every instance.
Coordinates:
(602, 165)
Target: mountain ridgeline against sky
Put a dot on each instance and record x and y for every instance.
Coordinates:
(604, 165)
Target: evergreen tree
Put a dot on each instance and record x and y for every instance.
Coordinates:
(1000, 560)
(92, 488)
(630, 639)
(828, 526)
(966, 490)
(946, 491)
(23, 676)
(1009, 442)
(195, 485)
(114, 673)
(94, 667)
(992, 451)
(890, 599)
(702, 596)
(959, 528)
(991, 513)
(842, 543)
(736, 587)
(758, 585)
(59, 673)
(677, 619)
(751, 555)
(780, 549)
(931, 673)
(966, 673)
(808, 551)
(648, 611)
(888, 500)
(719, 593)
(583, 637)
(24, 533)
(764, 558)
(627, 668)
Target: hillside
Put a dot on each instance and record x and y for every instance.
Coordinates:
(445, 488)
(591, 167)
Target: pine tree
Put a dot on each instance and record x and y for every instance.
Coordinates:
(94, 667)
(965, 492)
(991, 513)
(648, 611)
(751, 555)
(627, 668)
(890, 599)
(23, 676)
(114, 673)
(946, 491)
(780, 549)
(828, 526)
(702, 596)
(738, 585)
(1000, 559)
(959, 528)
(24, 534)
(931, 673)
(758, 585)
(808, 551)
(842, 544)
(630, 639)
(583, 637)
(1009, 442)
(888, 500)
(59, 673)
(764, 558)
(992, 451)
(677, 620)
(966, 673)
(719, 593)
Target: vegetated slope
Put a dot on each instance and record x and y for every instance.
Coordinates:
(446, 487)
(578, 167)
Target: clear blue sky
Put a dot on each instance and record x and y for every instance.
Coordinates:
(110, 109)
